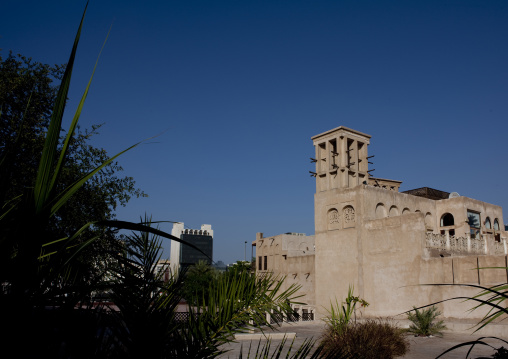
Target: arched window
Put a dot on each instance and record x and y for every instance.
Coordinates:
(333, 219)
(496, 224)
(447, 220)
(348, 213)
(380, 211)
(406, 211)
(474, 220)
(394, 211)
(488, 225)
(428, 220)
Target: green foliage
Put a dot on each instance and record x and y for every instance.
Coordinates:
(145, 325)
(41, 267)
(197, 281)
(27, 95)
(340, 315)
(46, 284)
(371, 339)
(424, 322)
(144, 322)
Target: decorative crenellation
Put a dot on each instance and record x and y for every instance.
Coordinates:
(198, 232)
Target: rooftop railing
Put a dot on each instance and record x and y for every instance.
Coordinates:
(466, 245)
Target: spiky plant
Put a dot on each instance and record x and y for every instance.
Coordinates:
(340, 315)
(38, 271)
(424, 322)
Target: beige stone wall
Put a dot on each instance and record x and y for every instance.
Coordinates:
(289, 256)
(384, 255)
(391, 263)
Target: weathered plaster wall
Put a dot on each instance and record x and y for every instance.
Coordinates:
(391, 262)
(291, 257)
(384, 255)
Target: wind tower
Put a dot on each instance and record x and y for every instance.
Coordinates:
(341, 158)
(341, 168)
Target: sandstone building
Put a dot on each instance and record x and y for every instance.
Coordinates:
(289, 255)
(386, 242)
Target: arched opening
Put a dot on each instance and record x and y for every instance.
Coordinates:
(496, 224)
(406, 211)
(333, 219)
(380, 211)
(428, 220)
(488, 225)
(394, 211)
(447, 220)
(348, 214)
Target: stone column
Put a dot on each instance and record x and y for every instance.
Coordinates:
(354, 158)
(448, 246)
(342, 146)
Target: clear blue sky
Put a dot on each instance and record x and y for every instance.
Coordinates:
(239, 87)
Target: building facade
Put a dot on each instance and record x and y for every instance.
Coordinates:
(184, 256)
(289, 256)
(387, 243)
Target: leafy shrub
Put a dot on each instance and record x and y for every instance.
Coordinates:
(424, 322)
(371, 339)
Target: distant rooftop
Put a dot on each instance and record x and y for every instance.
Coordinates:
(429, 193)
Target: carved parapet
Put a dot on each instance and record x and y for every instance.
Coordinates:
(477, 246)
(465, 245)
(459, 244)
(456, 244)
(498, 248)
(436, 241)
